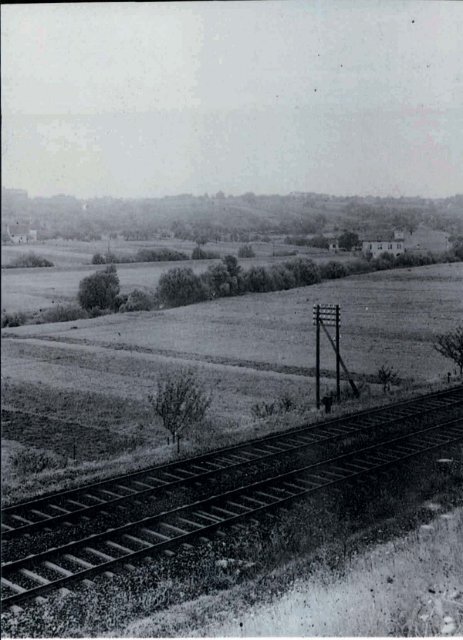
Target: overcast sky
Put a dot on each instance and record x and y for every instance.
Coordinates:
(134, 99)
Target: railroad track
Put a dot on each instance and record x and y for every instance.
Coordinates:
(114, 549)
(83, 502)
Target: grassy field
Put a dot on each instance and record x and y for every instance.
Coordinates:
(33, 289)
(96, 375)
(68, 253)
(387, 317)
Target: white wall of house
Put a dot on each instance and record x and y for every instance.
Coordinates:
(21, 234)
(19, 238)
(376, 247)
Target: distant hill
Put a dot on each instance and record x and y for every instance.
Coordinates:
(295, 213)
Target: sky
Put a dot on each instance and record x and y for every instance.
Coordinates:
(150, 99)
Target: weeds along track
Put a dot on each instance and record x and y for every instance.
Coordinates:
(115, 549)
(84, 502)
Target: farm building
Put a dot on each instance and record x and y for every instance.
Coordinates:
(422, 240)
(375, 248)
(20, 233)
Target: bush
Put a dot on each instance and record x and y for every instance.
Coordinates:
(27, 461)
(259, 280)
(386, 376)
(30, 260)
(450, 345)
(320, 242)
(262, 410)
(283, 278)
(348, 240)
(180, 286)
(96, 312)
(410, 260)
(359, 266)
(98, 258)
(99, 290)
(458, 247)
(159, 255)
(304, 270)
(246, 251)
(138, 300)
(181, 401)
(15, 319)
(62, 313)
(224, 279)
(201, 254)
(120, 300)
(232, 265)
(384, 261)
(332, 270)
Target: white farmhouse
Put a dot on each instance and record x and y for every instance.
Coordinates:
(21, 233)
(375, 248)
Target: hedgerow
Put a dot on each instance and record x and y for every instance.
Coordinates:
(29, 260)
(202, 254)
(229, 279)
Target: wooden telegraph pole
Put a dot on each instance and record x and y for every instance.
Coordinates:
(338, 357)
(329, 315)
(317, 357)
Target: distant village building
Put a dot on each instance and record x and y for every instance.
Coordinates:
(333, 246)
(375, 248)
(421, 241)
(20, 233)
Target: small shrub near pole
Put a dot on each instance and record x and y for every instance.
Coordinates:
(450, 345)
(386, 377)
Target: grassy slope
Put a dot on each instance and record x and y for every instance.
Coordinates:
(408, 586)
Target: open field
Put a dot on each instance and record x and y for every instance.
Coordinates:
(33, 289)
(389, 316)
(98, 373)
(68, 253)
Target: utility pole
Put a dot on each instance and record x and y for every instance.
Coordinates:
(338, 357)
(329, 315)
(317, 356)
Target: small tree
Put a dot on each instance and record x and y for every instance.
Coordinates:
(98, 259)
(347, 240)
(333, 269)
(181, 401)
(387, 376)
(138, 300)
(99, 290)
(450, 345)
(181, 286)
(246, 251)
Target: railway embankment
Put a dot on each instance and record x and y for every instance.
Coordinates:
(350, 496)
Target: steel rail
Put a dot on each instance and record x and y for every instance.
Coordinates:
(233, 507)
(22, 512)
(364, 413)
